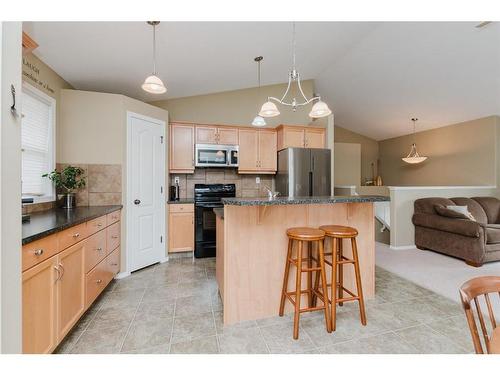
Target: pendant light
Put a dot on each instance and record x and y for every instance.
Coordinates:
(153, 84)
(259, 120)
(414, 157)
(319, 109)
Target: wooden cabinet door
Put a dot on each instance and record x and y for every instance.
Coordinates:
(293, 137)
(40, 307)
(181, 148)
(206, 134)
(70, 288)
(267, 151)
(315, 138)
(227, 136)
(248, 151)
(181, 231)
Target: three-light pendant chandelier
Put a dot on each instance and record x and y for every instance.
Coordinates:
(269, 108)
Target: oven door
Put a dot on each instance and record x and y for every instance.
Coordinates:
(211, 156)
(205, 229)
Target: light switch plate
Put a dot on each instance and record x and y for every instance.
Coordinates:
(257, 180)
(176, 180)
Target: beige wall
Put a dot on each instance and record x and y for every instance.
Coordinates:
(10, 190)
(237, 107)
(347, 159)
(460, 154)
(369, 150)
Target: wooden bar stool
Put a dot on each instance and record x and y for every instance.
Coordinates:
(308, 236)
(338, 233)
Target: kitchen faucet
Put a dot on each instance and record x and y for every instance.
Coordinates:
(270, 193)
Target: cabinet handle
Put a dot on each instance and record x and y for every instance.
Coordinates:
(99, 224)
(98, 281)
(76, 235)
(58, 274)
(62, 273)
(99, 249)
(114, 237)
(114, 264)
(38, 252)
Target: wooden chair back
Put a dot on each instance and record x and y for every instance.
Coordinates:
(471, 291)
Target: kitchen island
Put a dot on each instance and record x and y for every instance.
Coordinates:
(252, 246)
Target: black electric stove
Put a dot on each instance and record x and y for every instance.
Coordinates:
(206, 198)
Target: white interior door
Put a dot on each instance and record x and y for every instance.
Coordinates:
(145, 191)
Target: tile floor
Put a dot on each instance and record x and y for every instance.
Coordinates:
(175, 308)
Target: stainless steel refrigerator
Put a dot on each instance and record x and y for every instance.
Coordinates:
(304, 172)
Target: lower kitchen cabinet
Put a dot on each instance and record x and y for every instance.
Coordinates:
(180, 228)
(70, 287)
(40, 307)
(58, 290)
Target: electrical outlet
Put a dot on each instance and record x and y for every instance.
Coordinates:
(257, 180)
(176, 180)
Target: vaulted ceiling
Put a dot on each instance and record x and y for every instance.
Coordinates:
(374, 75)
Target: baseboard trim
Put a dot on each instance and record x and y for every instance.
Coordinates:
(405, 247)
(122, 275)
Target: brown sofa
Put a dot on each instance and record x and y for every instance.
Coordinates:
(476, 242)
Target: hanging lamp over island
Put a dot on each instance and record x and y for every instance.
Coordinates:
(153, 84)
(259, 120)
(414, 157)
(319, 109)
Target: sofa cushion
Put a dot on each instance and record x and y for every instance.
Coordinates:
(474, 208)
(447, 212)
(426, 205)
(492, 234)
(491, 207)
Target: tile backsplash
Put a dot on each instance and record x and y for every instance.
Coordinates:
(104, 187)
(245, 183)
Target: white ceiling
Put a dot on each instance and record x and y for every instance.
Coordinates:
(375, 76)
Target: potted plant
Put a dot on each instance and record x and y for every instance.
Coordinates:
(67, 181)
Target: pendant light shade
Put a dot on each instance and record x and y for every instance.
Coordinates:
(269, 109)
(154, 85)
(320, 109)
(259, 121)
(414, 157)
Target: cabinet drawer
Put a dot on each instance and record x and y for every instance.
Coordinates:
(113, 217)
(37, 251)
(113, 237)
(95, 282)
(95, 250)
(188, 207)
(72, 235)
(113, 260)
(95, 225)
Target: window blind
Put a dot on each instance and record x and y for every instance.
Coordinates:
(36, 133)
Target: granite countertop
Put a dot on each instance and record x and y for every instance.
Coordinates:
(44, 223)
(182, 201)
(304, 200)
(219, 212)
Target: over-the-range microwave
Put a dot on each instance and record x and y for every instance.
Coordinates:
(207, 155)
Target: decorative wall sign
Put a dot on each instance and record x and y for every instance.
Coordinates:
(31, 72)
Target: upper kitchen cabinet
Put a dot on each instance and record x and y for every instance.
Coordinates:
(257, 152)
(300, 136)
(182, 138)
(222, 135)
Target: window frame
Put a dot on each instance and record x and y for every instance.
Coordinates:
(38, 94)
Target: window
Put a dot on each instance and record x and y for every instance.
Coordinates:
(37, 140)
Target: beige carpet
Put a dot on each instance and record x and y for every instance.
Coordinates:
(440, 273)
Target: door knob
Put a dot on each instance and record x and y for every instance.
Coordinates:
(137, 201)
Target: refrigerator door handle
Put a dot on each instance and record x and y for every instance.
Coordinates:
(310, 184)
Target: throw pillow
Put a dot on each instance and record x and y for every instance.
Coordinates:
(464, 210)
(443, 211)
